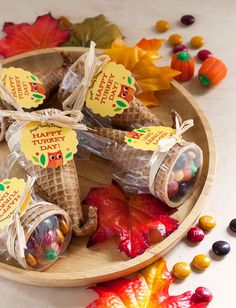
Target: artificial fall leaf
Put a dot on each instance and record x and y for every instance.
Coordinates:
(140, 61)
(130, 217)
(43, 33)
(97, 29)
(147, 289)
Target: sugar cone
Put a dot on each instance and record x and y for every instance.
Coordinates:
(135, 165)
(110, 133)
(58, 185)
(137, 115)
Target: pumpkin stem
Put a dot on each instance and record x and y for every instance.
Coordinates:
(204, 80)
(183, 56)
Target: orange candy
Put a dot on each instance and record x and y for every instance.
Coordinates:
(197, 41)
(162, 25)
(175, 39)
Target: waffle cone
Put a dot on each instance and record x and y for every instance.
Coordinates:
(34, 215)
(58, 185)
(135, 116)
(110, 133)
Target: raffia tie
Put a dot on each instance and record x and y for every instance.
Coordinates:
(6, 96)
(15, 224)
(163, 147)
(93, 65)
(61, 118)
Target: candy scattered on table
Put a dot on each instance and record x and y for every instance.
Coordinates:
(201, 262)
(162, 25)
(196, 234)
(211, 72)
(187, 20)
(207, 222)
(232, 225)
(183, 62)
(221, 248)
(197, 41)
(180, 47)
(203, 54)
(181, 270)
(203, 294)
(175, 39)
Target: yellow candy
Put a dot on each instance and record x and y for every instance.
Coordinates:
(172, 175)
(197, 41)
(60, 236)
(201, 262)
(191, 155)
(178, 175)
(64, 227)
(181, 270)
(175, 39)
(162, 25)
(30, 259)
(207, 222)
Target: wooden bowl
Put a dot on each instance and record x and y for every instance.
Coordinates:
(82, 266)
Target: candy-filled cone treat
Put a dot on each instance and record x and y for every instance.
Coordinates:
(169, 174)
(105, 91)
(47, 230)
(57, 183)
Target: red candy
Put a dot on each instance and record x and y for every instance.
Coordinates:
(180, 47)
(196, 234)
(204, 54)
(203, 294)
(173, 188)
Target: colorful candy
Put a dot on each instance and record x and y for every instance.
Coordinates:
(30, 259)
(211, 72)
(196, 234)
(221, 248)
(173, 188)
(197, 41)
(183, 62)
(63, 226)
(207, 222)
(203, 294)
(232, 225)
(181, 270)
(187, 20)
(175, 39)
(183, 188)
(201, 262)
(178, 175)
(181, 161)
(204, 54)
(162, 25)
(180, 47)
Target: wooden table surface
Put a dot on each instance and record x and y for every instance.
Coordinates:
(216, 22)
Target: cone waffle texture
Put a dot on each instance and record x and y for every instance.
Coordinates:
(110, 133)
(134, 164)
(34, 215)
(135, 116)
(58, 185)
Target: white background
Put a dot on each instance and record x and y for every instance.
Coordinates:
(216, 21)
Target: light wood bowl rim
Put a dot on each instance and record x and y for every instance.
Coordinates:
(114, 271)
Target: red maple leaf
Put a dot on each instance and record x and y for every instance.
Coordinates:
(150, 289)
(130, 217)
(43, 33)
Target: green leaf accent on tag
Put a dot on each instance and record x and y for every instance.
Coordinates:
(117, 109)
(37, 95)
(129, 140)
(68, 155)
(141, 130)
(6, 182)
(35, 159)
(42, 159)
(2, 188)
(33, 77)
(37, 100)
(129, 80)
(121, 104)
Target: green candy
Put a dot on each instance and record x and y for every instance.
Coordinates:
(50, 255)
(193, 169)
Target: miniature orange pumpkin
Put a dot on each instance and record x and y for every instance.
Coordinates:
(183, 62)
(212, 71)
